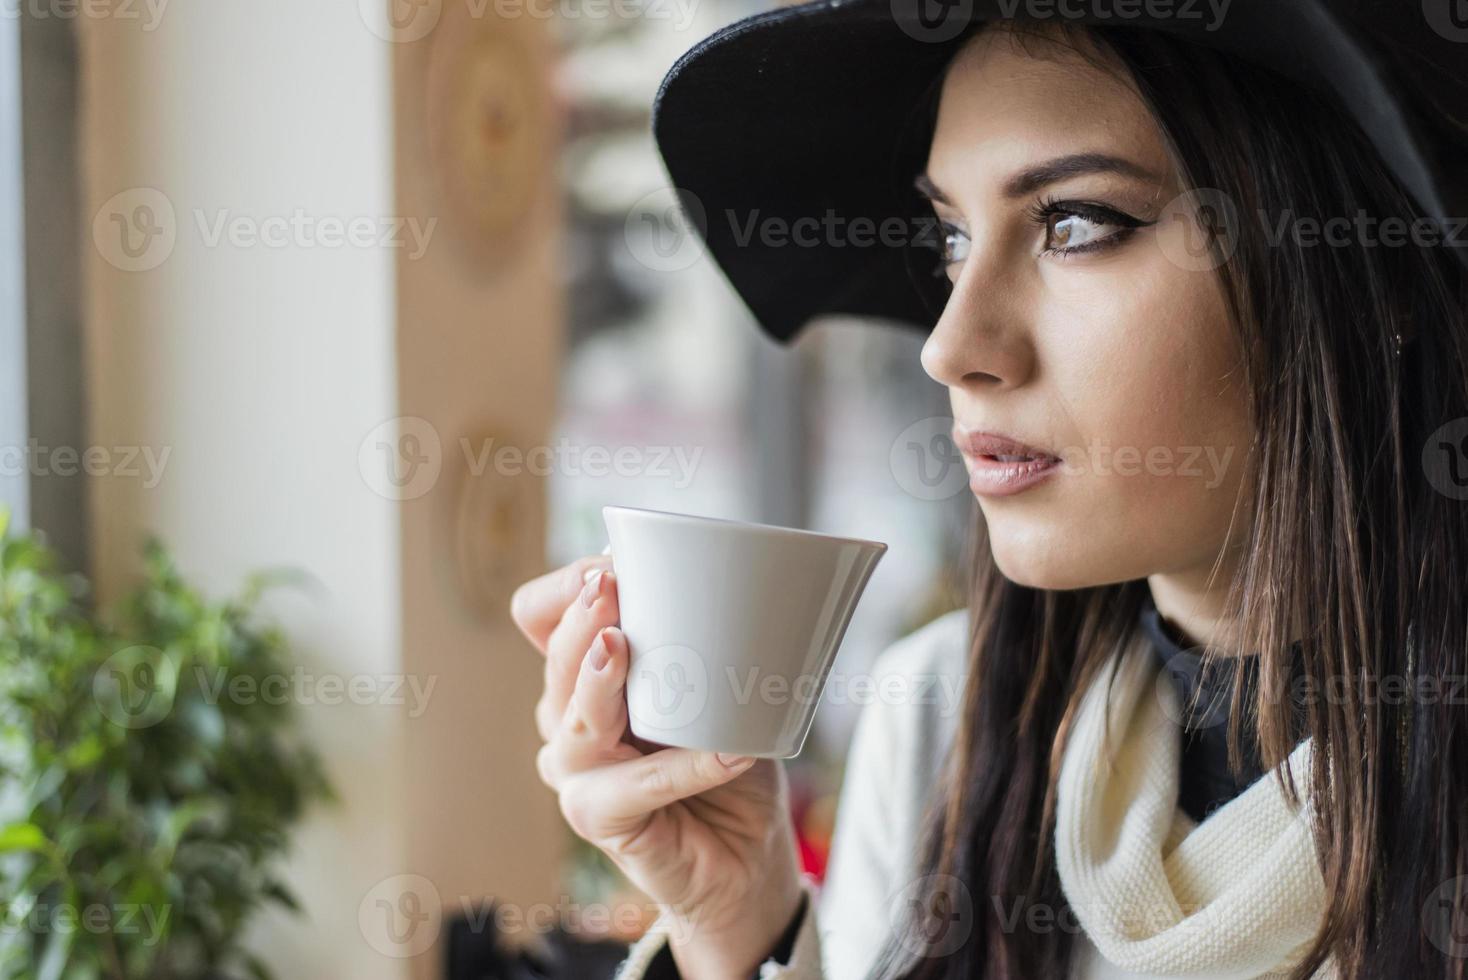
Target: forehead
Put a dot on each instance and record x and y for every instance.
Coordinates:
(1010, 99)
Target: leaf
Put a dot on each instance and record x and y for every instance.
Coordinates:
(180, 821)
(185, 810)
(47, 784)
(53, 960)
(282, 894)
(84, 753)
(258, 969)
(22, 837)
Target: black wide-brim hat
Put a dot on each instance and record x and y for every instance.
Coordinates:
(793, 120)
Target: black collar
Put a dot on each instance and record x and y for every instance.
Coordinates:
(1205, 782)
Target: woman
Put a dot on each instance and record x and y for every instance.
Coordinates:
(1214, 414)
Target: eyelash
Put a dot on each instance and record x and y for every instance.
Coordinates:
(1042, 211)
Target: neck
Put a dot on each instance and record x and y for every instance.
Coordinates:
(1193, 605)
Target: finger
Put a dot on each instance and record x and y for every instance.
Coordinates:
(591, 728)
(608, 802)
(594, 609)
(555, 762)
(537, 605)
(597, 713)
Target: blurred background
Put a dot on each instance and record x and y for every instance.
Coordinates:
(382, 300)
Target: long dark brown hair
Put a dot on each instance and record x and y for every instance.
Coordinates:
(1350, 551)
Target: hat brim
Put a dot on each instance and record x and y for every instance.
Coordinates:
(784, 135)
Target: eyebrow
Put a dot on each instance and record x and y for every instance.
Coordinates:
(1031, 179)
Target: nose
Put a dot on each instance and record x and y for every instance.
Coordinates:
(981, 340)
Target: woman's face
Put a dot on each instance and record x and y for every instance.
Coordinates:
(1084, 322)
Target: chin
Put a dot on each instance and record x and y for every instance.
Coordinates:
(1046, 558)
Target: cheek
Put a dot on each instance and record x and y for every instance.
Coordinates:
(1145, 399)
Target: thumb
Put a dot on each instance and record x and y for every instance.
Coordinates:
(611, 800)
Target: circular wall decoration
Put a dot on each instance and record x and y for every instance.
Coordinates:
(495, 528)
(489, 120)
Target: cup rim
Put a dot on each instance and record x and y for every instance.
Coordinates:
(772, 529)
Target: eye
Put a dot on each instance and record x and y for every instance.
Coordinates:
(955, 243)
(1074, 226)
(1066, 231)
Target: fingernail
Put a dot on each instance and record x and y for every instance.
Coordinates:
(592, 587)
(734, 761)
(600, 655)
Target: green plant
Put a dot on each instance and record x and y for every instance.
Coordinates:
(142, 807)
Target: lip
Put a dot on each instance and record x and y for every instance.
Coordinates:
(990, 474)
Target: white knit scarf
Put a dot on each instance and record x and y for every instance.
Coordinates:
(1237, 896)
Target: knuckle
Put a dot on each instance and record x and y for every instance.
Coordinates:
(545, 766)
(574, 721)
(657, 779)
(545, 721)
(574, 573)
(703, 767)
(574, 811)
(519, 603)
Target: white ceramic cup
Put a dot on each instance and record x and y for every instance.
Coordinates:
(732, 627)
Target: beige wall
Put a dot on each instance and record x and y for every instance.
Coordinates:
(478, 344)
(261, 369)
